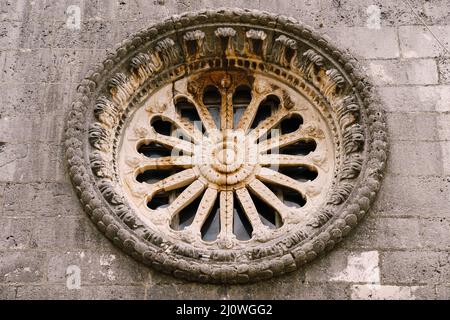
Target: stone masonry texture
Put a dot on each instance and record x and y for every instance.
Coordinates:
(400, 251)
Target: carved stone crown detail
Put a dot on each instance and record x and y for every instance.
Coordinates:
(226, 146)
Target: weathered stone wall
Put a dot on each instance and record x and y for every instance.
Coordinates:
(401, 250)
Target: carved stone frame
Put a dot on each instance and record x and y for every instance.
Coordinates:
(159, 54)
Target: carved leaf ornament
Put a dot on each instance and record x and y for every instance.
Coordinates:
(226, 146)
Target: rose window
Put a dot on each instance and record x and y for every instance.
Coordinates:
(226, 146)
(226, 157)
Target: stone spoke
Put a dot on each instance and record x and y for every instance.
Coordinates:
(226, 215)
(285, 160)
(186, 197)
(249, 114)
(271, 176)
(175, 181)
(279, 141)
(188, 128)
(250, 210)
(226, 112)
(147, 191)
(206, 117)
(266, 195)
(267, 124)
(203, 211)
(173, 142)
(144, 163)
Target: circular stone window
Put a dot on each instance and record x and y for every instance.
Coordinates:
(226, 146)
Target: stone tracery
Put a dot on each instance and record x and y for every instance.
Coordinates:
(228, 159)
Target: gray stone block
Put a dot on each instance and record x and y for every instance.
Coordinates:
(32, 162)
(392, 292)
(150, 11)
(99, 9)
(2, 192)
(22, 266)
(444, 70)
(357, 13)
(91, 292)
(10, 156)
(10, 34)
(17, 234)
(32, 129)
(7, 292)
(273, 288)
(92, 10)
(401, 72)
(388, 233)
(424, 196)
(12, 10)
(384, 233)
(435, 12)
(295, 291)
(413, 127)
(56, 99)
(50, 10)
(324, 269)
(426, 292)
(105, 267)
(67, 233)
(418, 158)
(36, 35)
(434, 233)
(415, 98)
(86, 60)
(367, 43)
(38, 100)
(125, 29)
(419, 42)
(445, 147)
(91, 35)
(443, 126)
(414, 267)
(41, 199)
(188, 291)
(41, 65)
(443, 292)
(318, 14)
(18, 97)
(17, 199)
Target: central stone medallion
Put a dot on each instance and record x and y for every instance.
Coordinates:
(227, 158)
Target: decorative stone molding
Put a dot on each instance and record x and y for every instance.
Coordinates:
(231, 165)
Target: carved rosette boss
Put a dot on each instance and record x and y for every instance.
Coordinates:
(226, 146)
